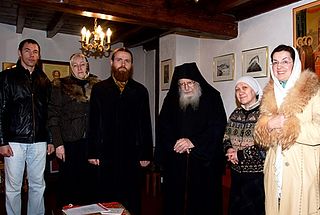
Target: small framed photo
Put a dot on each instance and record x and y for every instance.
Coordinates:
(8, 65)
(255, 62)
(166, 74)
(54, 165)
(55, 69)
(223, 67)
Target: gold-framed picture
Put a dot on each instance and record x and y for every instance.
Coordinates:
(166, 74)
(55, 69)
(306, 38)
(255, 62)
(223, 67)
(8, 65)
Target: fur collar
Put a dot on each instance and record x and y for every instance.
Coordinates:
(296, 100)
(78, 90)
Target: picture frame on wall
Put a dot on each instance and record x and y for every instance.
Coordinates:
(8, 65)
(166, 74)
(255, 62)
(306, 35)
(52, 68)
(223, 67)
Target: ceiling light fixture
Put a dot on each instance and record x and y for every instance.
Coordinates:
(96, 43)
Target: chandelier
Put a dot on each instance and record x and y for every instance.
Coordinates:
(96, 43)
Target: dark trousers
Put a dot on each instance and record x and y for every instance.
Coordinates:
(247, 194)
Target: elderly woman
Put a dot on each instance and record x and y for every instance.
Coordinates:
(68, 119)
(245, 157)
(289, 126)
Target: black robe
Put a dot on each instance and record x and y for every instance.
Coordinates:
(120, 136)
(193, 179)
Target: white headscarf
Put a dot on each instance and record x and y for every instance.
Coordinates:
(280, 92)
(253, 83)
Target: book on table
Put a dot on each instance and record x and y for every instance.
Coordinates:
(92, 209)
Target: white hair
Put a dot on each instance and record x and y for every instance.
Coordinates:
(191, 99)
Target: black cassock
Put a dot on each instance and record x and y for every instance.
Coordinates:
(192, 183)
(120, 136)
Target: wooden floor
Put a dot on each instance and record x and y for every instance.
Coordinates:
(151, 200)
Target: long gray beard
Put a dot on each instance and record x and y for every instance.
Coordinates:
(193, 100)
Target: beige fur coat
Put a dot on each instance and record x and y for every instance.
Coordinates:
(300, 141)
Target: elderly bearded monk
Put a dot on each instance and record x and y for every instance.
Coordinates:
(189, 144)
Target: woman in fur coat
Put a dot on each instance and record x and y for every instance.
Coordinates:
(289, 127)
(68, 120)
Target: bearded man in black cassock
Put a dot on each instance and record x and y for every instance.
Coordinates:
(189, 144)
(120, 137)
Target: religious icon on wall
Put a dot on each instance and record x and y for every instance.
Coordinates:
(306, 35)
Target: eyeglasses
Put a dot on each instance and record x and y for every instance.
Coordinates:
(284, 63)
(187, 83)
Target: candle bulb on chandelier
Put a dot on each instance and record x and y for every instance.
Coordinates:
(88, 36)
(109, 33)
(83, 34)
(101, 38)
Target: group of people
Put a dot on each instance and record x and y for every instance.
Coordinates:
(101, 133)
(100, 157)
(271, 142)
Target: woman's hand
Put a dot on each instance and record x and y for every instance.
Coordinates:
(60, 153)
(232, 156)
(276, 122)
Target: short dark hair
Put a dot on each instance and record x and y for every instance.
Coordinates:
(284, 48)
(122, 49)
(28, 41)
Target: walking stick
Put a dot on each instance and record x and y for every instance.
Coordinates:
(186, 186)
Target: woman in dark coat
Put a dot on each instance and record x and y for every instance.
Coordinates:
(68, 121)
(192, 172)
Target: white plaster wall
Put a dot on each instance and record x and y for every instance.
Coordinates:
(150, 84)
(269, 29)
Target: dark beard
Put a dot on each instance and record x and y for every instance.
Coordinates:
(122, 75)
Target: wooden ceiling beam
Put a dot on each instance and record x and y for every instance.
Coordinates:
(21, 18)
(152, 13)
(55, 24)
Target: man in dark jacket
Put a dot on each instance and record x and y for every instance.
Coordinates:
(120, 137)
(189, 147)
(24, 96)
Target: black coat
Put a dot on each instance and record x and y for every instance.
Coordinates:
(197, 175)
(120, 136)
(24, 104)
(69, 108)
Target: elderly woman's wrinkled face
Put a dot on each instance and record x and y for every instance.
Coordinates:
(282, 64)
(245, 94)
(79, 67)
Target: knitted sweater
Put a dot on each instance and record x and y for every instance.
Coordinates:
(239, 135)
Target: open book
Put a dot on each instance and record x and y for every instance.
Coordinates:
(93, 209)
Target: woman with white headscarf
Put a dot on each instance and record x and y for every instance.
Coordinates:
(289, 126)
(245, 157)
